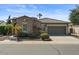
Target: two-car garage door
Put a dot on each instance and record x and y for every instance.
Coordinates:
(57, 30)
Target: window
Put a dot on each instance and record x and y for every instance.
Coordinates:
(25, 27)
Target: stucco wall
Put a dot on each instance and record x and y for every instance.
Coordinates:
(28, 21)
(76, 30)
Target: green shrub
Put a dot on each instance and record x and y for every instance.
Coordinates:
(2, 30)
(5, 29)
(44, 36)
(8, 28)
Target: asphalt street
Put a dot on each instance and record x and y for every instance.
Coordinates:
(39, 49)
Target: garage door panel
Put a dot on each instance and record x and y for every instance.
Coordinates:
(56, 30)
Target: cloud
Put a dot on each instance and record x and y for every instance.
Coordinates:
(29, 10)
(20, 5)
(22, 8)
(18, 10)
(33, 6)
(60, 14)
(32, 10)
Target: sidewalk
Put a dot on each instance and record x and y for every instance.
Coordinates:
(55, 40)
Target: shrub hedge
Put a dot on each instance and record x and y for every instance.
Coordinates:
(44, 36)
(6, 29)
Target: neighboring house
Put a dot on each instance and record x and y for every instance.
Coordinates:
(75, 29)
(54, 27)
(28, 24)
(2, 22)
(32, 25)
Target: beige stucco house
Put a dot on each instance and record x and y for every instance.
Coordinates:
(32, 25)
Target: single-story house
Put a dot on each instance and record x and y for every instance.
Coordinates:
(32, 25)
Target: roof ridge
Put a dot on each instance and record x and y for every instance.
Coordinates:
(52, 19)
(20, 17)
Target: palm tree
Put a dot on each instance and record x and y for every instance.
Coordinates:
(16, 29)
(39, 15)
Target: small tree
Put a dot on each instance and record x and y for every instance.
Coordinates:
(74, 16)
(8, 20)
(16, 29)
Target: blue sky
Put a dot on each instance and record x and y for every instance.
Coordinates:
(55, 11)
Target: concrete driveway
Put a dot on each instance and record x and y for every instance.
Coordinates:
(61, 45)
(64, 40)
